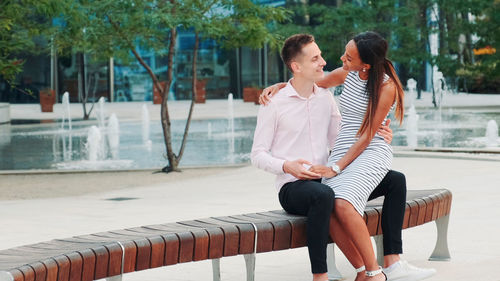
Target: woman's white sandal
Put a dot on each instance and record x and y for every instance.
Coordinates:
(375, 272)
(360, 269)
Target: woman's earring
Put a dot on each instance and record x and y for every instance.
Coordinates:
(364, 69)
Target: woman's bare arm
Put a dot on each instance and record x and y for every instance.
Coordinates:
(334, 78)
(388, 93)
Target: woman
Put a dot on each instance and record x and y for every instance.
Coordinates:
(360, 158)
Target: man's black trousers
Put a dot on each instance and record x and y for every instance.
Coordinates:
(316, 200)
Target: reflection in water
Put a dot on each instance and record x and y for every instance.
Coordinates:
(5, 134)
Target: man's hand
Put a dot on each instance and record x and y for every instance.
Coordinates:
(324, 171)
(296, 169)
(267, 93)
(386, 132)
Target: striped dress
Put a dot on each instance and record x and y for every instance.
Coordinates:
(357, 181)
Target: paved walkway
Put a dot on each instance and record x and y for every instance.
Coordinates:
(62, 205)
(39, 207)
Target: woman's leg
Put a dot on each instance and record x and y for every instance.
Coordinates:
(355, 227)
(346, 245)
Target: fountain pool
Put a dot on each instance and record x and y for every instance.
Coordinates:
(210, 142)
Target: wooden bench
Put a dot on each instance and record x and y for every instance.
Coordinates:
(113, 253)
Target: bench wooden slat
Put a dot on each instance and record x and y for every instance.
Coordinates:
(231, 235)
(428, 210)
(40, 271)
(75, 272)
(151, 251)
(157, 251)
(435, 209)
(52, 269)
(265, 231)
(109, 237)
(298, 227)
(143, 260)
(115, 258)
(28, 272)
(193, 241)
(448, 206)
(246, 235)
(422, 207)
(413, 213)
(172, 246)
(89, 264)
(215, 235)
(282, 230)
(63, 267)
(101, 262)
(17, 275)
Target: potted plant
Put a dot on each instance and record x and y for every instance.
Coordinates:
(201, 91)
(251, 93)
(157, 98)
(47, 100)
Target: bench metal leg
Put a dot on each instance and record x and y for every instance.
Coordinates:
(333, 272)
(216, 269)
(6, 276)
(379, 242)
(441, 252)
(250, 262)
(115, 278)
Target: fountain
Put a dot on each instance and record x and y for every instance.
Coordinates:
(230, 110)
(412, 127)
(492, 134)
(67, 149)
(113, 136)
(439, 86)
(101, 115)
(95, 150)
(66, 111)
(411, 85)
(146, 128)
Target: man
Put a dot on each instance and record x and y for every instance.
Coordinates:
(293, 132)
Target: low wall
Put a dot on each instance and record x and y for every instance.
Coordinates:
(4, 113)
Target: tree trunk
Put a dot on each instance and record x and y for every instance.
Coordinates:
(468, 39)
(193, 97)
(424, 44)
(165, 118)
(82, 85)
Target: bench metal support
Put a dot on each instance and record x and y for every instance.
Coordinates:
(250, 258)
(119, 277)
(441, 252)
(379, 243)
(216, 269)
(333, 272)
(6, 276)
(250, 263)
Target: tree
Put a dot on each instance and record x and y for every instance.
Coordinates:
(21, 21)
(118, 28)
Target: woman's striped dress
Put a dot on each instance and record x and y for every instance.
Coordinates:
(357, 181)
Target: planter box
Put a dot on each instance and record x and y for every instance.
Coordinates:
(157, 98)
(251, 94)
(47, 100)
(201, 92)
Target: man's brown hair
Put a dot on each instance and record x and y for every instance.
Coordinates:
(293, 47)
